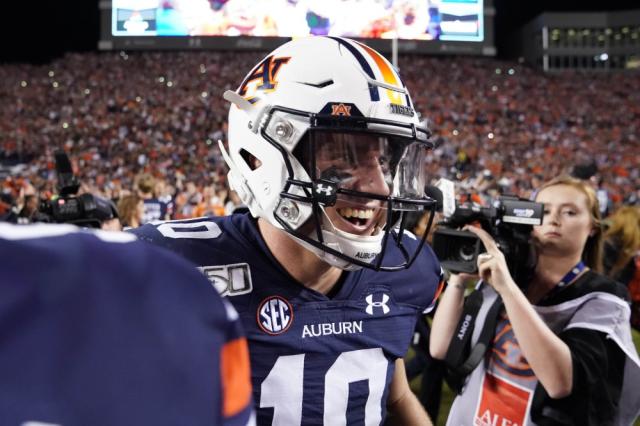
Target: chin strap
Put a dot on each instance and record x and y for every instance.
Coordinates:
(363, 248)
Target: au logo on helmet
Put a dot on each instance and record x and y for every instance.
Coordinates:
(264, 74)
(341, 110)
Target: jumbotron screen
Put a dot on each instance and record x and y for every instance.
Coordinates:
(445, 20)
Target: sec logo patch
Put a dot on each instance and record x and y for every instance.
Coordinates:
(275, 315)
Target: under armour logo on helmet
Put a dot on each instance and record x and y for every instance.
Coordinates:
(382, 304)
(326, 192)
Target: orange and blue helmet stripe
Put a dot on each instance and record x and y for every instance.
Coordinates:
(380, 66)
(373, 91)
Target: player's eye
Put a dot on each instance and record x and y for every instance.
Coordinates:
(334, 174)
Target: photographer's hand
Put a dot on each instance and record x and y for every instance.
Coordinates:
(492, 265)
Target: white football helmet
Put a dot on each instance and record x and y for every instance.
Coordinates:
(324, 143)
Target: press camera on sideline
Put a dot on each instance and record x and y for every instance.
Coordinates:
(510, 222)
(86, 210)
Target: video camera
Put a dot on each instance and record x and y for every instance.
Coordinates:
(510, 222)
(84, 210)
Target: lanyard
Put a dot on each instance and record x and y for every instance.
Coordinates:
(571, 275)
(567, 279)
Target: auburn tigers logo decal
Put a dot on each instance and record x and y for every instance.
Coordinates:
(341, 109)
(262, 78)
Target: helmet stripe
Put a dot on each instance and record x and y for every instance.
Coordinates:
(375, 96)
(388, 74)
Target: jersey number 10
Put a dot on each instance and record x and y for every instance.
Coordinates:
(286, 378)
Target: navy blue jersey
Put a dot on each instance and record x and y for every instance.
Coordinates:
(100, 329)
(314, 359)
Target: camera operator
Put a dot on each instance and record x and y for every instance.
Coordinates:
(560, 351)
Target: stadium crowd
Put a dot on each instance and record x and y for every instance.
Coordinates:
(501, 127)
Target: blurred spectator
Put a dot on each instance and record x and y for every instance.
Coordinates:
(30, 206)
(622, 254)
(153, 208)
(622, 243)
(131, 211)
(7, 209)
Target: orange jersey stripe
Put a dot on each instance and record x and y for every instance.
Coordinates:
(388, 74)
(236, 377)
(438, 291)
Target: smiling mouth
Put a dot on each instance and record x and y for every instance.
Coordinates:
(359, 217)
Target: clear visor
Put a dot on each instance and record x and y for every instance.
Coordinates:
(367, 164)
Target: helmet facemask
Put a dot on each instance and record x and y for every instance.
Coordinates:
(361, 176)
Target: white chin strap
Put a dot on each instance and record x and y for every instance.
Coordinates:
(363, 248)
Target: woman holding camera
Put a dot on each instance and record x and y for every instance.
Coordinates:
(561, 351)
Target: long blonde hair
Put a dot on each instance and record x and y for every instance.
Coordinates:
(592, 251)
(624, 225)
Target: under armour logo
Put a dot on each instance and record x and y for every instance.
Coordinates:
(326, 190)
(382, 304)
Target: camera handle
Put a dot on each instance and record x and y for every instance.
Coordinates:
(459, 364)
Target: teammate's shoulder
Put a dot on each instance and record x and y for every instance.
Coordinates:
(56, 238)
(117, 261)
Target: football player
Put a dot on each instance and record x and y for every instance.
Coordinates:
(326, 151)
(99, 329)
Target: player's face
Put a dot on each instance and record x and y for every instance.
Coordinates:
(357, 162)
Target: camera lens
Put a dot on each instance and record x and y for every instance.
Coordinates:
(467, 252)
